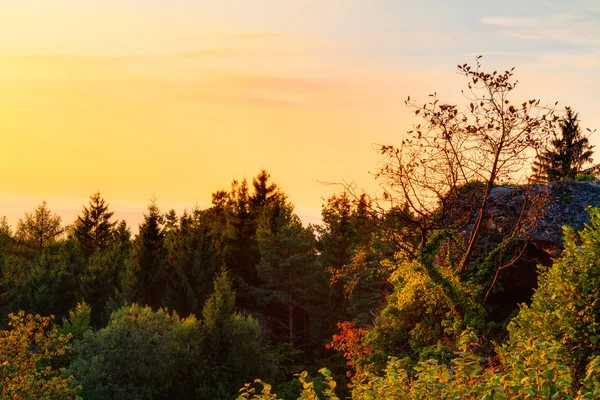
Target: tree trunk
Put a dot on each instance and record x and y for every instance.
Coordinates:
(475, 233)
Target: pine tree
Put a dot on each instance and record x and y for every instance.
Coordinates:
(94, 229)
(569, 153)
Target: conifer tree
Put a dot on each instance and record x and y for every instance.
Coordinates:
(122, 234)
(40, 228)
(194, 255)
(94, 229)
(234, 347)
(149, 254)
(286, 267)
(569, 153)
(5, 235)
(236, 214)
(264, 192)
(220, 306)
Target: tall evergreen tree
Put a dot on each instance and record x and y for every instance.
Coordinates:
(234, 347)
(236, 214)
(568, 156)
(102, 282)
(287, 264)
(94, 229)
(265, 192)
(194, 256)
(149, 256)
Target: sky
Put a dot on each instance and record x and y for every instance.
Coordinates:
(142, 99)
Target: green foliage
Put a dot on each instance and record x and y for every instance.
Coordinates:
(568, 155)
(137, 356)
(148, 258)
(590, 385)
(430, 306)
(194, 256)
(287, 264)
(464, 377)
(566, 306)
(142, 354)
(297, 285)
(534, 374)
(46, 284)
(419, 317)
(78, 322)
(591, 177)
(353, 243)
(102, 280)
(552, 350)
(234, 347)
(94, 229)
(236, 216)
(308, 391)
(39, 229)
(26, 348)
(220, 306)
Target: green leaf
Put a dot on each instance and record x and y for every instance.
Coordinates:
(545, 390)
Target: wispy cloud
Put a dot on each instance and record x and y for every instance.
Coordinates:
(510, 21)
(284, 83)
(573, 26)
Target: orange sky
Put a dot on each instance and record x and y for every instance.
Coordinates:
(175, 103)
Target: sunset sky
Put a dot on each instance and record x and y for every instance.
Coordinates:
(175, 99)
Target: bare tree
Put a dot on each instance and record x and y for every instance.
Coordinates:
(454, 151)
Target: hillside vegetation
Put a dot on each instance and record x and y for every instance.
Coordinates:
(441, 285)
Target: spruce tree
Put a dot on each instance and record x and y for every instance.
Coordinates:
(194, 255)
(94, 229)
(569, 153)
(236, 217)
(149, 258)
(264, 194)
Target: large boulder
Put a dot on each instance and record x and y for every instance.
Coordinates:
(549, 208)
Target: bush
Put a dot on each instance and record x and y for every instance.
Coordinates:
(26, 350)
(143, 354)
(566, 307)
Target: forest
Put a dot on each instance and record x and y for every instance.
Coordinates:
(417, 291)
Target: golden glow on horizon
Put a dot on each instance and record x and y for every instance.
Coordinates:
(182, 125)
(138, 106)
